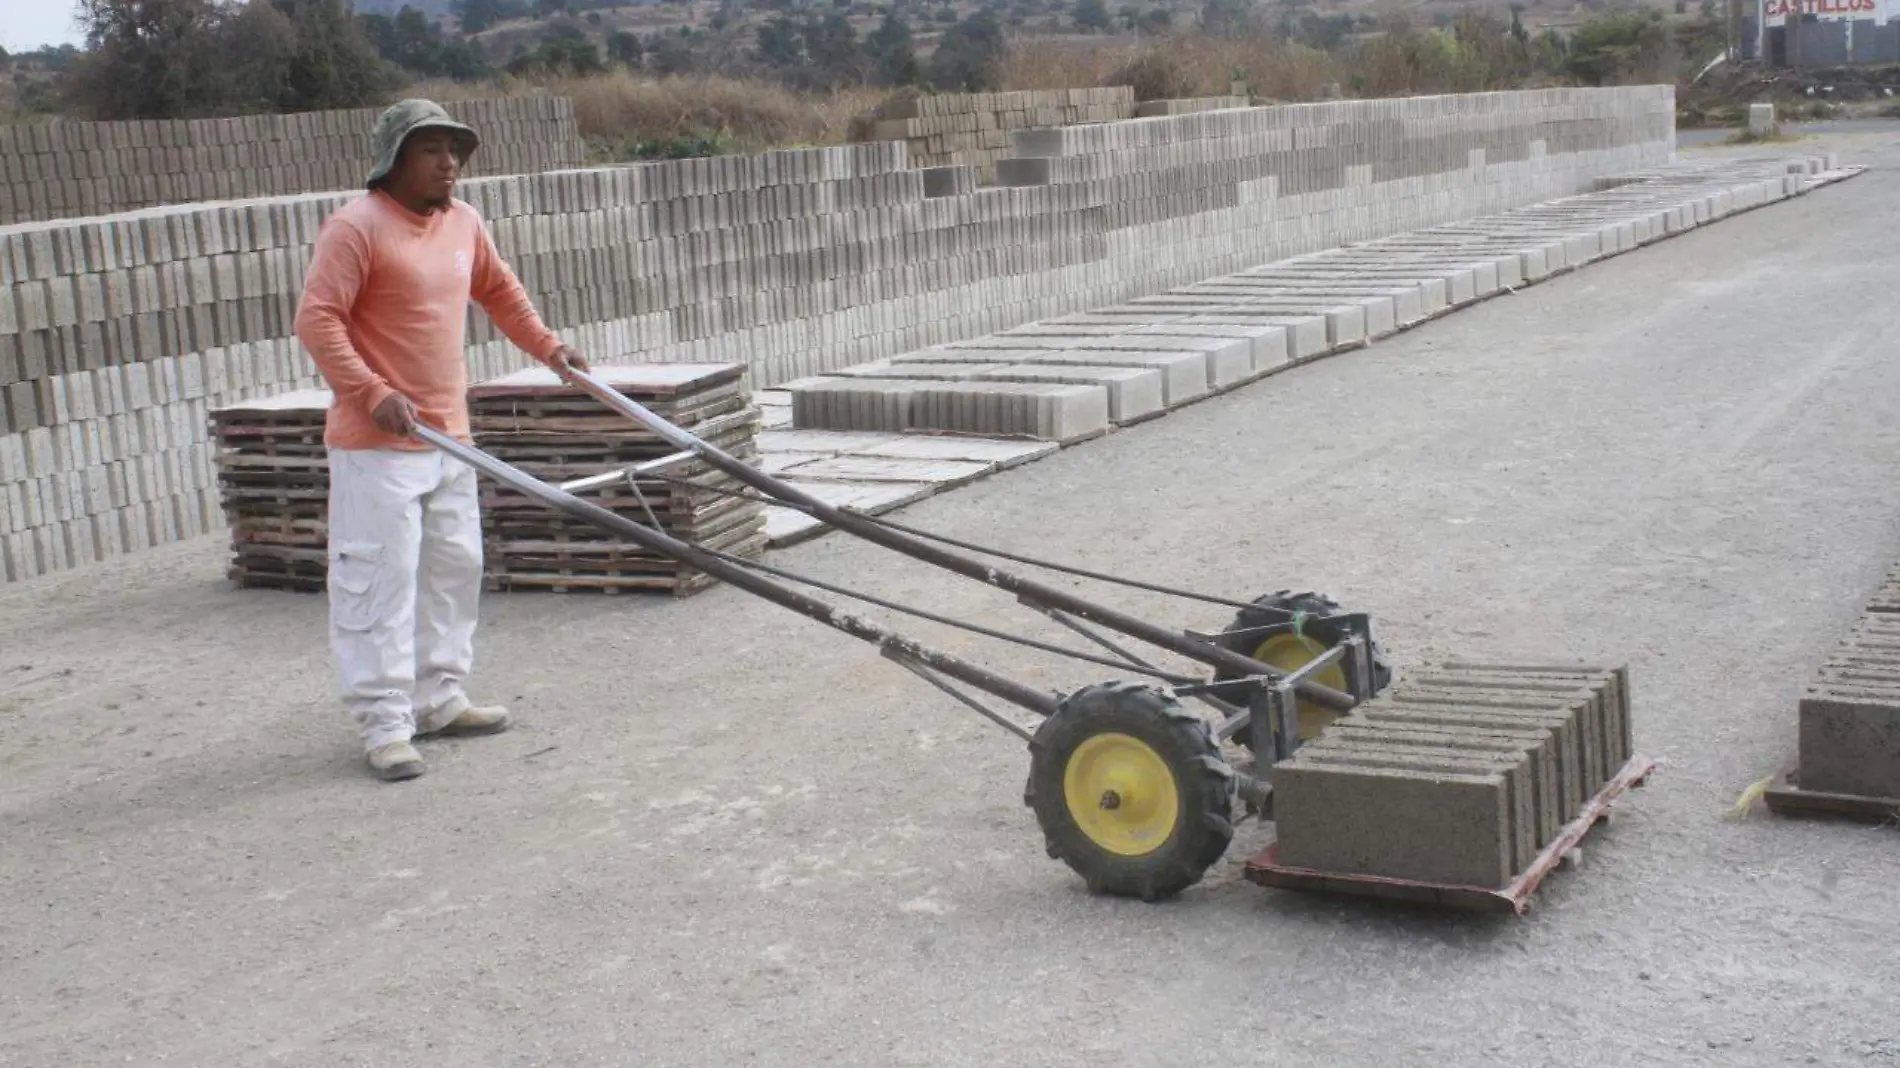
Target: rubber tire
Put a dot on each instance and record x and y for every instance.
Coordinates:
(1204, 825)
(1313, 604)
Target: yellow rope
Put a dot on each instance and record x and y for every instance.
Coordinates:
(1749, 797)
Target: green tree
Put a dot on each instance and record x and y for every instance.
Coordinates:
(624, 48)
(146, 59)
(335, 65)
(1622, 47)
(1091, 16)
(564, 49)
(892, 51)
(967, 54)
(1226, 18)
(474, 16)
(668, 54)
(836, 56)
(778, 44)
(260, 43)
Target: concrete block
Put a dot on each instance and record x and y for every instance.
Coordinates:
(1608, 684)
(1850, 739)
(1520, 784)
(853, 404)
(1134, 393)
(1045, 411)
(1562, 741)
(1533, 745)
(1582, 708)
(1183, 374)
(1395, 823)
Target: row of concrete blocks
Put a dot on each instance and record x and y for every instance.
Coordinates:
(1460, 774)
(105, 484)
(60, 170)
(1152, 354)
(151, 236)
(94, 297)
(147, 234)
(880, 331)
(1149, 109)
(500, 141)
(118, 485)
(920, 106)
(709, 229)
(1005, 119)
(250, 129)
(1140, 260)
(1850, 712)
(1279, 152)
(1319, 123)
(94, 197)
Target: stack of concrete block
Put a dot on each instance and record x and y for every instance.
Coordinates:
(118, 333)
(556, 433)
(1189, 105)
(1222, 332)
(1459, 775)
(973, 129)
(1850, 712)
(274, 486)
(76, 169)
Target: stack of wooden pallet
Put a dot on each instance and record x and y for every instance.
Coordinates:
(274, 479)
(557, 434)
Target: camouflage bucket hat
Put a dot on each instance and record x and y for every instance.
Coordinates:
(395, 125)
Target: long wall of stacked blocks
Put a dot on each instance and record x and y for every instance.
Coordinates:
(1112, 272)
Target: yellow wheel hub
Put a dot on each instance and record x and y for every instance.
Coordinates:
(1290, 652)
(1121, 794)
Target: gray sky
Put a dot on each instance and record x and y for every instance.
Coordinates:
(28, 24)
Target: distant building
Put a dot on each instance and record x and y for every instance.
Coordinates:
(1821, 33)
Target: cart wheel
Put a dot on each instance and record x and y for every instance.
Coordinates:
(1130, 790)
(1290, 652)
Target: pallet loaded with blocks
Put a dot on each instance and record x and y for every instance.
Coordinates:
(274, 484)
(1849, 764)
(1462, 775)
(273, 478)
(546, 429)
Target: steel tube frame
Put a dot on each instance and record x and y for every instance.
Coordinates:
(890, 643)
(1028, 590)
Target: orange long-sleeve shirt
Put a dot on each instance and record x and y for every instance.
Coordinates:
(384, 311)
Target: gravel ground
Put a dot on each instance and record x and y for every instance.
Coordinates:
(724, 835)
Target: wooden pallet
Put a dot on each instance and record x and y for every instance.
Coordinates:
(273, 479)
(1787, 798)
(1514, 898)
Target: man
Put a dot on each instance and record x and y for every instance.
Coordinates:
(383, 315)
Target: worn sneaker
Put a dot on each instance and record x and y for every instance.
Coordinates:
(396, 761)
(488, 719)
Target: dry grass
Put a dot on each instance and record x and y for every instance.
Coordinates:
(1176, 65)
(1052, 63)
(623, 116)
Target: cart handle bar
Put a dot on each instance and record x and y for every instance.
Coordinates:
(894, 645)
(1034, 593)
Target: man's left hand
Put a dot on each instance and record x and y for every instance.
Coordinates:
(566, 359)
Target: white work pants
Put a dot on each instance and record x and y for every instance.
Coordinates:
(405, 579)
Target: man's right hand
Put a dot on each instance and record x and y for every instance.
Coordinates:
(395, 415)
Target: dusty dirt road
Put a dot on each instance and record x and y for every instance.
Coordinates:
(725, 836)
